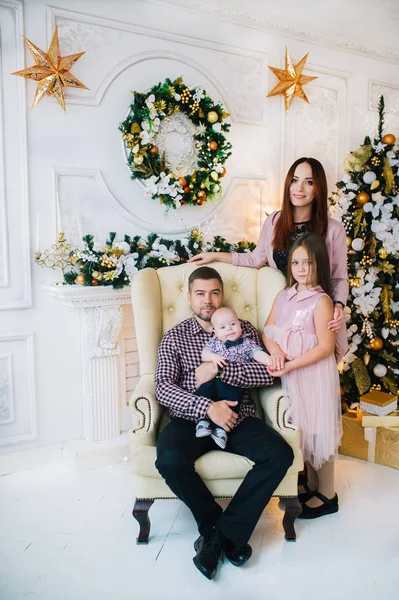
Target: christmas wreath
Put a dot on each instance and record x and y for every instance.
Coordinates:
(198, 125)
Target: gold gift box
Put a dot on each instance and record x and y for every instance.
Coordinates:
(378, 403)
(354, 444)
(378, 398)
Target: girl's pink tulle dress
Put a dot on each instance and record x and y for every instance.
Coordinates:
(314, 390)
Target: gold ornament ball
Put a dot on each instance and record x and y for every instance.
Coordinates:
(348, 241)
(366, 358)
(154, 150)
(212, 116)
(214, 176)
(389, 139)
(213, 145)
(95, 274)
(182, 181)
(94, 282)
(202, 186)
(383, 253)
(376, 344)
(374, 184)
(191, 186)
(362, 198)
(201, 194)
(80, 279)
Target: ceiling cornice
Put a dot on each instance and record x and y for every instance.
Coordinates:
(294, 31)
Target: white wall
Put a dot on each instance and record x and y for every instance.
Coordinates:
(76, 161)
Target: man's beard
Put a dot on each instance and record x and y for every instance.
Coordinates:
(206, 318)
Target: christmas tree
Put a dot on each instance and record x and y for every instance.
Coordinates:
(367, 203)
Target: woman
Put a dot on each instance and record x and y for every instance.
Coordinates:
(304, 210)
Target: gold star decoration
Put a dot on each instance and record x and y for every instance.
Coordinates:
(52, 71)
(291, 80)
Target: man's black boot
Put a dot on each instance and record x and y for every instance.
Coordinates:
(208, 552)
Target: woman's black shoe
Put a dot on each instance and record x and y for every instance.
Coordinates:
(327, 508)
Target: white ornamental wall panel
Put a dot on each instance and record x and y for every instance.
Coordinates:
(6, 390)
(319, 129)
(242, 217)
(15, 285)
(239, 74)
(17, 390)
(391, 97)
(391, 100)
(235, 77)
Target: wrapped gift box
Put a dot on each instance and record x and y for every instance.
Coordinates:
(378, 403)
(353, 442)
(371, 438)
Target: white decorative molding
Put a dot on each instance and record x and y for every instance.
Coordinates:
(14, 205)
(242, 216)
(22, 425)
(240, 99)
(249, 18)
(102, 361)
(6, 390)
(88, 297)
(179, 221)
(390, 93)
(103, 325)
(322, 128)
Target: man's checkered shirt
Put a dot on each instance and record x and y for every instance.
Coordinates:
(179, 355)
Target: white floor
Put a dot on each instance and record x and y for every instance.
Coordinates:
(71, 536)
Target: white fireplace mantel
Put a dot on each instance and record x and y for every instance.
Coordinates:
(102, 364)
(86, 297)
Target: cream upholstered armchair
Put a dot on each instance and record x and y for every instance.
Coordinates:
(159, 300)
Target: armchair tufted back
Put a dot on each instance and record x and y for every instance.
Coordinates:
(159, 300)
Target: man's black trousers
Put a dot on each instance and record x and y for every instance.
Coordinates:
(177, 451)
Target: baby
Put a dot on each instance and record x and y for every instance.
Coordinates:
(228, 345)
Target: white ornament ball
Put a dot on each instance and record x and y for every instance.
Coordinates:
(358, 244)
(380, 370)
(369, 177)
(357, 339)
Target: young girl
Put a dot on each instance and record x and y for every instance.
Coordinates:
(301, 346)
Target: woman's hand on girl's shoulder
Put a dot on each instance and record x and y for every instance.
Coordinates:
(339, 318)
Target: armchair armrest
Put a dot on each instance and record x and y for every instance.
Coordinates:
(276, 407)
(147, 411)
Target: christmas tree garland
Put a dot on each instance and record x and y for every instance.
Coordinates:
(115, 262)
(139, 134)
(368, 206)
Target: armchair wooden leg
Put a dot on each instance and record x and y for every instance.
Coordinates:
(292, 508)
(140, 513)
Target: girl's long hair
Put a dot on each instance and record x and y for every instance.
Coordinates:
(318, 254)
(285, 226)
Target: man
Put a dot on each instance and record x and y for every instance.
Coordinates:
(179, 373)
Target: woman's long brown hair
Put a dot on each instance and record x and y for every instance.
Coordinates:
(318, 254)
(285, 226)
